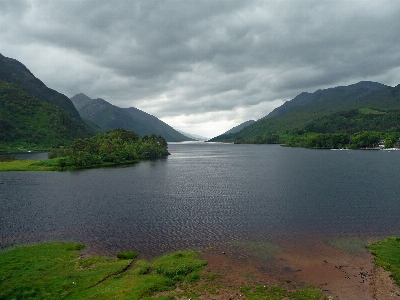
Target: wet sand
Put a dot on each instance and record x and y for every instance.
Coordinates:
(339, 273)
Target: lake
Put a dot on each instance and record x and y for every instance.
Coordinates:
(206, 194)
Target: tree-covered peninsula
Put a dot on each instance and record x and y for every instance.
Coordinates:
(116, 146)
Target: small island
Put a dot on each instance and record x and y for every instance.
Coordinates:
(114, 147)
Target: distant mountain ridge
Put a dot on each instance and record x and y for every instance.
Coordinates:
(297, 113)
(326, 95)
(108, 116)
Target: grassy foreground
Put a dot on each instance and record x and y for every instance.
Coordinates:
(387, 255)
(55, 271)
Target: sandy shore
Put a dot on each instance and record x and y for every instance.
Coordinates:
(343, 268)
(339, 273)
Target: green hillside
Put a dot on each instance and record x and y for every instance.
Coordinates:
(33, 116)
(363, 128)
(13, 71)
(300, 115)
(108, 116)
(329, 100)
(230, 134)
(27, 123)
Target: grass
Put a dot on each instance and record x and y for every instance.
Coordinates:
(387, 255)
(56, 271)
(47, 165)
(26, 165)
(127, 255)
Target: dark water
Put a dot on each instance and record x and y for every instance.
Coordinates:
(26, 155)
(206, 194)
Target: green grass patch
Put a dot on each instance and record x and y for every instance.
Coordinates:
(55, 271)
(26, 165)
(49, 271)
(48, 165)
(177, 265)
(127, 255)
(387, 255)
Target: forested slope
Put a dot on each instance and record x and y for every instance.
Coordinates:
(33, 116)
(365, 106)
(12, 71)
(27, 123)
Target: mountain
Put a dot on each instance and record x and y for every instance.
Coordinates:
(228, 135)
(239, 127)
(14, 72)
(194, 136)
(32, 116)
(328, 99)
(108, 116)
(294, 115)
(156, 126)
(105, 115)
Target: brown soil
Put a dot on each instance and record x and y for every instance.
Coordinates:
(340, 274)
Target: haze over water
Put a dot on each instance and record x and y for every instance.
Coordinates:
(206, 194)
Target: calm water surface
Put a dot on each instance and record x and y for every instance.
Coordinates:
(206, 194)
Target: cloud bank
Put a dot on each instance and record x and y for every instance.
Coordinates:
(202, 66)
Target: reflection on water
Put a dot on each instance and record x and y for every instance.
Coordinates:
(206, 194)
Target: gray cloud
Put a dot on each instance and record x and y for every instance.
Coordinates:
(195, 63)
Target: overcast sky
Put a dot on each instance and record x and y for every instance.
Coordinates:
(202, 66)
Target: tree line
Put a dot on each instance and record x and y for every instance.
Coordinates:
(112, 147)
(354, 129)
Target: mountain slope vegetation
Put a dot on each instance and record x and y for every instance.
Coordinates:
(33, 116)
(12, 71)
(228, 135)
(303, 114)
(239, 127)
(108, 117)
(27, 123)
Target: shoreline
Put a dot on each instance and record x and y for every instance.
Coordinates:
(339, 273)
